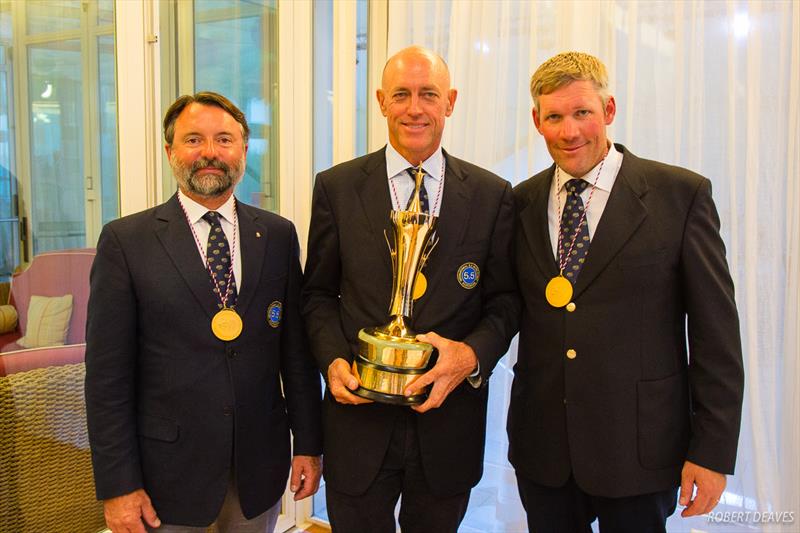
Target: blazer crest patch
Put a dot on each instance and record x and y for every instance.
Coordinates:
(468, 275)
(274, 314)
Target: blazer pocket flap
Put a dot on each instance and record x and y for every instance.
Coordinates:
(663, 414)
(154, 427)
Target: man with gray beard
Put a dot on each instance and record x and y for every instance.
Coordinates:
(197, 366)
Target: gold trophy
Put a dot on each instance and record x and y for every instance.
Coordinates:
(390, 357)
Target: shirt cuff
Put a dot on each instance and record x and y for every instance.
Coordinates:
(475, 378)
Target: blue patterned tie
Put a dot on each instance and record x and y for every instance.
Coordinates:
(572, 216)
(218, 255)
(423, 193)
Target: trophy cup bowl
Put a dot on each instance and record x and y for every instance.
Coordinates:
(390, 357)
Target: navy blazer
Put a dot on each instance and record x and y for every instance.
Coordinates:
(636, 402)
(170, 407)
(347, 287)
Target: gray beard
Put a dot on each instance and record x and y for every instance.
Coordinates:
(206, 185)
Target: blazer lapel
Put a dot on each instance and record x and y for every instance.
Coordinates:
(253, 238)
(372, 188)
(533, 219)
(450, 225)
(622, 216)
(176, 237)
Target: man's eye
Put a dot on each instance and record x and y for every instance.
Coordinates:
(583, 112)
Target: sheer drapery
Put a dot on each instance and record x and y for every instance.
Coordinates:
(711, 86)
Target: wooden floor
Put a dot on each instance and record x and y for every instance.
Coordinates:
(315, 529)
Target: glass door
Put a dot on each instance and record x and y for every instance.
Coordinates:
(65, 68)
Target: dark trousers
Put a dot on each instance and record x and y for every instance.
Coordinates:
(401, 473)
(568, 509)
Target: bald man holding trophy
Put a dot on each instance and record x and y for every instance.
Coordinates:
(405, 407)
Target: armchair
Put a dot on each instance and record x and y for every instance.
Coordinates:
(52, 274)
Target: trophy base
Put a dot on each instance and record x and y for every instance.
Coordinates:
(392, 399)
(386, 365)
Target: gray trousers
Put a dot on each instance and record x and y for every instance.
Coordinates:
(230, 519)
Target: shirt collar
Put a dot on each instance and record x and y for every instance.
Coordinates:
(397, 164)
(607, 176)
(196, 211)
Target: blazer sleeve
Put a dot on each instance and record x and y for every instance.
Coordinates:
(299, 373)
(501, 302)
(322, 283)
(716, 372)
(110, 388)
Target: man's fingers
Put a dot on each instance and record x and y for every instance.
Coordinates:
(698, 506)
(306, 489)
(343, 395)
(306, 472)
(687, 484)
(339, 372)
(421, 382)
(432, 338)
(149, 515)
(435, 399)
(296, 479)
(341, 381)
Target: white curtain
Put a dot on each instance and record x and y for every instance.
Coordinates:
(712, 86)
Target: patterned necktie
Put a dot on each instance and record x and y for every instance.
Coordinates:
(218, 255)
(572, 216)
(423, 193)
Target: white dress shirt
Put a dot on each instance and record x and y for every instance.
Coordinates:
(401, 186)
(602, 191)
(202, 228)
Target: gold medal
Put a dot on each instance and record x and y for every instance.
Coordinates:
(420, 286)
(226, 324)
(558, 291)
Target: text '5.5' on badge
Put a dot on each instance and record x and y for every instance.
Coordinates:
(468, 275)
(274, 314)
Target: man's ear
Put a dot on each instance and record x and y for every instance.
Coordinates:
(452, 95)
(611, 110)
(381, 96)
(536, 119)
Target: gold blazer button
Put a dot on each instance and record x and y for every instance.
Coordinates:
(572, 354)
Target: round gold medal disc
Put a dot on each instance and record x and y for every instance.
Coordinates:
(226, 324)
(420, 286)
(558, 291)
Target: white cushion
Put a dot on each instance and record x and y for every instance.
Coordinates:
(48, 321)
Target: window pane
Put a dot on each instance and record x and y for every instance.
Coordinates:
(56, 143)
(105, 12)
(362, 96)
(44, 16)
(236, 54)
(107, 109)
(323, 89)
(9, 221)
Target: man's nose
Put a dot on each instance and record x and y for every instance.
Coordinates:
(413, 106)
(208, 150)
(569, 129)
